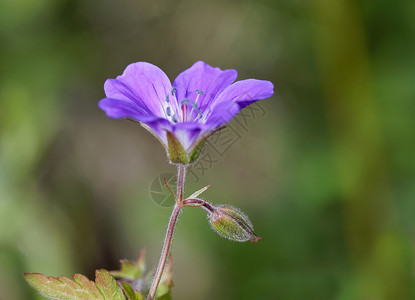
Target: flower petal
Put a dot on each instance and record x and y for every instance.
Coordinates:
(246, 92)
(141, 83)
(211, 81)
(187, 134)
(124, 109)
(221, 114)
(236, 97)
(159, 128)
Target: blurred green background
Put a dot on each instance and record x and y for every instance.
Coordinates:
(326, 173)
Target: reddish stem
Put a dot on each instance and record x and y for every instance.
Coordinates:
(181, 174)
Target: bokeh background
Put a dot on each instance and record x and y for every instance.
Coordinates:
(326, 172)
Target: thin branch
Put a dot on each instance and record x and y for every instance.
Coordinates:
(174, 195)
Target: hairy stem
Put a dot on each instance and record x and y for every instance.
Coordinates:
(181, 176)
(198, 202)
(170, 229)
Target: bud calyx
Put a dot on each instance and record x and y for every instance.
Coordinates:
(231, 223)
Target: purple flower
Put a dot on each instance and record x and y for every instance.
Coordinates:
(183, 114)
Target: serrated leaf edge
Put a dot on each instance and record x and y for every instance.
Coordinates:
(105, 286)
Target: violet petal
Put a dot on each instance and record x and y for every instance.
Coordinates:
(246, 92)
(141, 83)
(201, 77)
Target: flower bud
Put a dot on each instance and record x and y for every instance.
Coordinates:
(231, 223)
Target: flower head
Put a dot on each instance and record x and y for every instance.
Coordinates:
(183, 114)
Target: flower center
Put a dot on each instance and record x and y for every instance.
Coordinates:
(183, 111)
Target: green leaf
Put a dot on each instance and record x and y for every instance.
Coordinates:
(131, 270)
(131, 295)
(108, 286)
(80, 288)
(166, 296)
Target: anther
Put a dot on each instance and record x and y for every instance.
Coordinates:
(200, 92)
(173, 90)
(168, 111)
(167, 98)
(195, 107)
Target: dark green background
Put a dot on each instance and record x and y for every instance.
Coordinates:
(326, 175)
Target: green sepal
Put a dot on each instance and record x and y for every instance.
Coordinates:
(177, 154)
(198, 148)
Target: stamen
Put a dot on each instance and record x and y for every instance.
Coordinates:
(168, 111)
(205, 115)
(199, 93)
(196, 108)
(184, 103)
(194, 105)
(175, 103)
